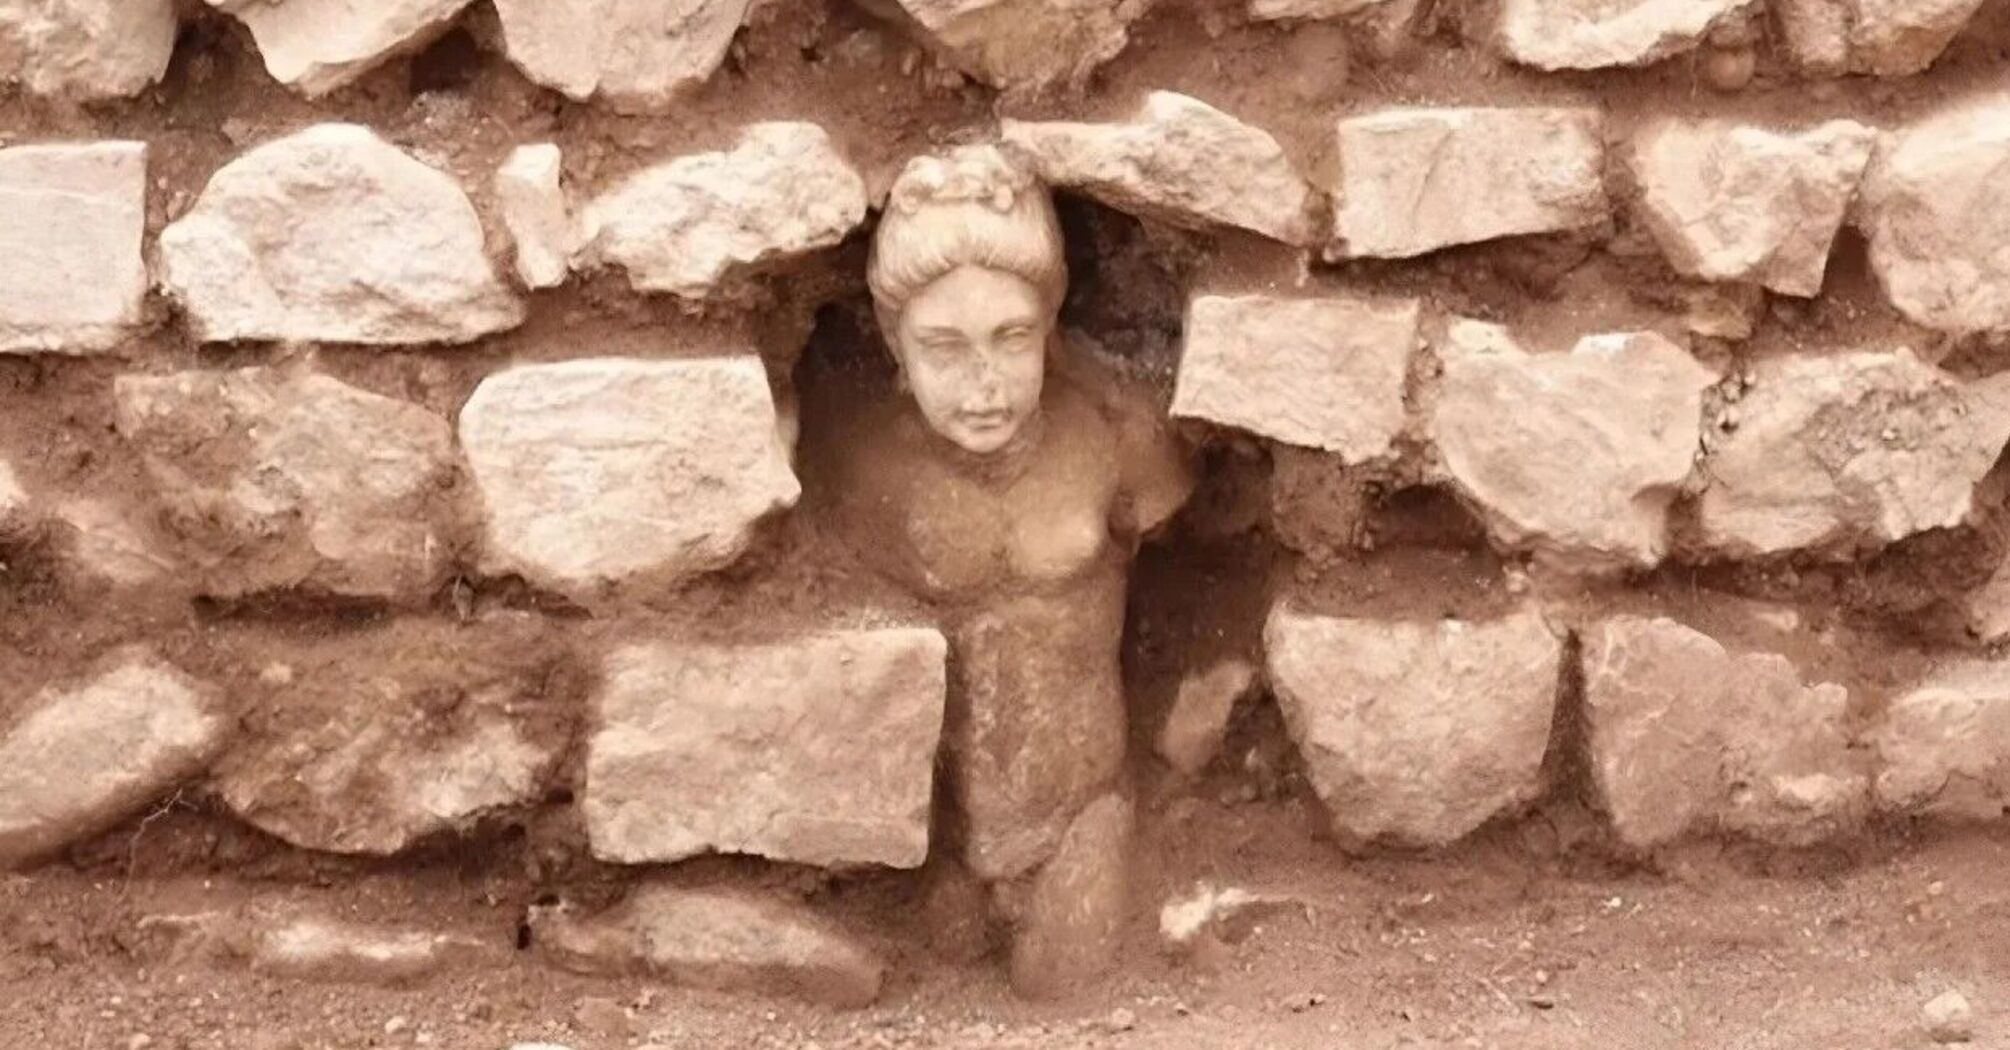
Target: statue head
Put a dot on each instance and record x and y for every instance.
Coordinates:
(967, 276)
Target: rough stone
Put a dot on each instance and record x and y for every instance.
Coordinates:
(537, 215)
(1287, 10)
(727, 939)
(86, 50)
(1879, 37)
(332, 234)
(688, 225)
(1025, 45)
(1576, 456)
(107, 545)
(638, 56)
(313, 947)
(316, 46)
(1177, 160)
(85, 756)
(1949, 1018)
(1729, 202)
(1318, 373)
(1846, 449)
(819, 750)
(1416, 732)
(1986, 608)
(1416, 180)
(71, 221)
(1688, 738)
(604, 470)
(16, 515)
(1943, 745)
(372, 741)
(1591, 34)
(1936, 210)
(1193, 730)
(274, 480)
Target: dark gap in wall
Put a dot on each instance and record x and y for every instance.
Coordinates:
(452, 62)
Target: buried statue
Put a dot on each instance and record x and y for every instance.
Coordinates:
(1007, 483)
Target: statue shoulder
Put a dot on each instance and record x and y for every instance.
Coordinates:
(1155, 469)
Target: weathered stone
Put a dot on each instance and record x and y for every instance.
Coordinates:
(1319, 373)
(1729, 202)
(1283, 10)
(1590, 34)
(1576, 456)
(1943, 746)
(302, 946)
(1687, 738)
(638, 56)
(274, 480)
(1986, 608)
(85, 49)
(71, 220)
(1949, 1018)
(1881, 37)
(1936, 209)
(605, 470)
(371, 741)
(1020, 44)
(85, 756)
(16, 517)
(535, 211)
(733, 940)
(1210, 916)
(1846, 449)
(1177, 160)
(688, 225)
(107, 545)
(1416, 732)
(316, 46)
(1193, 730)
(332, 234)
(819, 750)
(1074, 913)
(1416, 180)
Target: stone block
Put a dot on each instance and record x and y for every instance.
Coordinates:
(1021, 45)
(72, 216)
(637, 56)
(1936, 211)
(1878, 37)
(537, 215)
(1592, 34)
(1943, 745)
(316, 46)
(86, 50)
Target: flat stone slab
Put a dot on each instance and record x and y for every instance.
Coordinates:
(72, 216)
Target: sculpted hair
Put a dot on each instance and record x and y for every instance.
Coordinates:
(971, 206)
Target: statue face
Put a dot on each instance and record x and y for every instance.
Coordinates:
(974, 347)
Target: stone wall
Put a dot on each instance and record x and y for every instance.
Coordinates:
(1597, 404)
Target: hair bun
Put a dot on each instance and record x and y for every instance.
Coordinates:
(964, 175)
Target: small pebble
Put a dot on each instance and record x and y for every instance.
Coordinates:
(1949, 1019)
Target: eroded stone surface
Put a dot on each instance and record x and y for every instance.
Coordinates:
(599, 471)
(85, 49)
(1416, 732)
(819, 750)
(106, 542)
(1281, 10)
(1730, 202)
(1319, 373)
(1590, 34)
(332, 234)
(1882, 37)
(1943, 746)
(1936, 209)
(299, 945)
(86, 755)
(72, 216)
(273, 480)
(1198, 721)
(1687, 738)
(1846, 449)
(1021, 44)
(729, 939)
(1178, 160)
(316, 46)
(1416, 180)
(1074, 914)
(1576, 456)
(535, 211)
(636, 55)
(687, 225)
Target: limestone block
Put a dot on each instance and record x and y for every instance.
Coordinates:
(1880, 37)
(636, 55)
(1591, 34)
(1319, 373)
(1729, 202)
(1815, 33)
(600, 470)
(1576, 456)
(537, 215)
(728, 939)
(1416, 732)
(274, 480)
(1177, 160)
(819, 750)
(88, 755)
(332, 234)
(86, 49)
(1943, 746)
(1197, 723)
(1416, 180)
(1936, 210)
(1845, 449)
(687, 225)
(1688, 738)
(71, 221)
(348, 746)
(1021, 44)
(316, 46)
